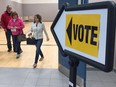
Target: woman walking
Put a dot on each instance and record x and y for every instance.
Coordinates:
(37, 29)
(16, 26)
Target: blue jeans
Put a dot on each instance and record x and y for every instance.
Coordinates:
(38, 50)
(8, 38)
(16, 44)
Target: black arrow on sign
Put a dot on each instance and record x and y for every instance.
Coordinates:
(69, 31)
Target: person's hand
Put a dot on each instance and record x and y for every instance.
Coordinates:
(5, 30)
(11, 27)
(29, 34)
(15, 27)
(47, 39)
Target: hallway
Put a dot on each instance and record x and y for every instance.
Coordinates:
(19, 72)
(27, 57)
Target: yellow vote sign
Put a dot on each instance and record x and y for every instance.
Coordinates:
(82, 33)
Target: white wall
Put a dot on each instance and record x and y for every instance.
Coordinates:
(3, 4)
(38, 1)
(91, 1)
(17, 6)
(19, 1)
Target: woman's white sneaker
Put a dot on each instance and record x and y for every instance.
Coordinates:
(17, 56)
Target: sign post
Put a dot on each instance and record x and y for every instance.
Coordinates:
(87, 33)
(73, 70)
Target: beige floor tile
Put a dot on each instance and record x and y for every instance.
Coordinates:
(26, 60)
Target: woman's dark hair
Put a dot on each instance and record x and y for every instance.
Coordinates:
(39, 18)
(14, 13)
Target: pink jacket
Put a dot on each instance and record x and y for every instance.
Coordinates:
(18, 24)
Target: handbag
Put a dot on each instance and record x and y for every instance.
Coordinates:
(21, 37)
(31, 41)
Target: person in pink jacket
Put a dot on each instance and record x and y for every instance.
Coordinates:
(16, 26)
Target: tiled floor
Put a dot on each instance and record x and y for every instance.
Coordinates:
(28, 77)
(96, 78)
(14, 77)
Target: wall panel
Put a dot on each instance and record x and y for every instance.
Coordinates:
(47, 11)
(17, 7)
(39, 1)
(3, 4)
(91, 1)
